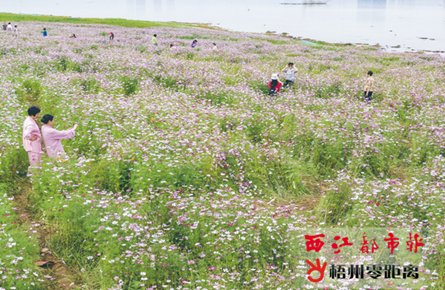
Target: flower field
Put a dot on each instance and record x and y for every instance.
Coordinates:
(184, 174)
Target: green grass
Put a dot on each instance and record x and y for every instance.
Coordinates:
(107, 21)
(315, 142)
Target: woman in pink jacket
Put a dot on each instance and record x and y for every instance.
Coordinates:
(52, 137)
(32, 141)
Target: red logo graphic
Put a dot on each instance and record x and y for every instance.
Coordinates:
(392, 242)
(416, 243)
(365, 247)
(313, 244)
(317, 268)
(345, 243)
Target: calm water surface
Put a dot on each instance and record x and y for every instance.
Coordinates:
(386, 22)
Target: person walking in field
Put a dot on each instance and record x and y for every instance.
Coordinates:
(369, 84)
(53, 137)
(214, 46)
(16, 31)
(111, 35)
(9, 27)
(32, 141)
(44, 32)
(274, 85)
(154, 40)
(194, 43)
(4, 26)
(290, 71)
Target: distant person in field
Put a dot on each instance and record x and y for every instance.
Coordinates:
(214, 46)
(73, 36)
(274, 85)
(53, 137)
(9, 27)
(290, 71)
(16, 31)
(369, 84)
(45, 33)
(154, 40)
(194, 43)
(172, 46)
(4, 26)
(32, 141)
(111, 35)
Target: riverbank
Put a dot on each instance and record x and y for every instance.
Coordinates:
(13, 17)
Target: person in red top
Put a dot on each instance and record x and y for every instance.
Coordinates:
(274, 85)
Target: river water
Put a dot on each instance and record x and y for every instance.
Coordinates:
(410, 24)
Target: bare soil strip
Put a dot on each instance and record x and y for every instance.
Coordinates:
(56, 273)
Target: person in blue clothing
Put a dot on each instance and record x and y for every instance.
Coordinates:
(45, 33)
(194, 43)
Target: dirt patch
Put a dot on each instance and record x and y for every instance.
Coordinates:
(308, 203)
(303, 203)
(56, 273)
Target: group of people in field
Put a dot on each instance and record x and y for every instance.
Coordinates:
(275, 84)
(194, 43)
(8, 27)
(290, 71)
(32, 138)
(15, 29)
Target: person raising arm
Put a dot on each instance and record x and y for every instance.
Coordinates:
(53, 137)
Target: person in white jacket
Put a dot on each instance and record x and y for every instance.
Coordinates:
(32, 140)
